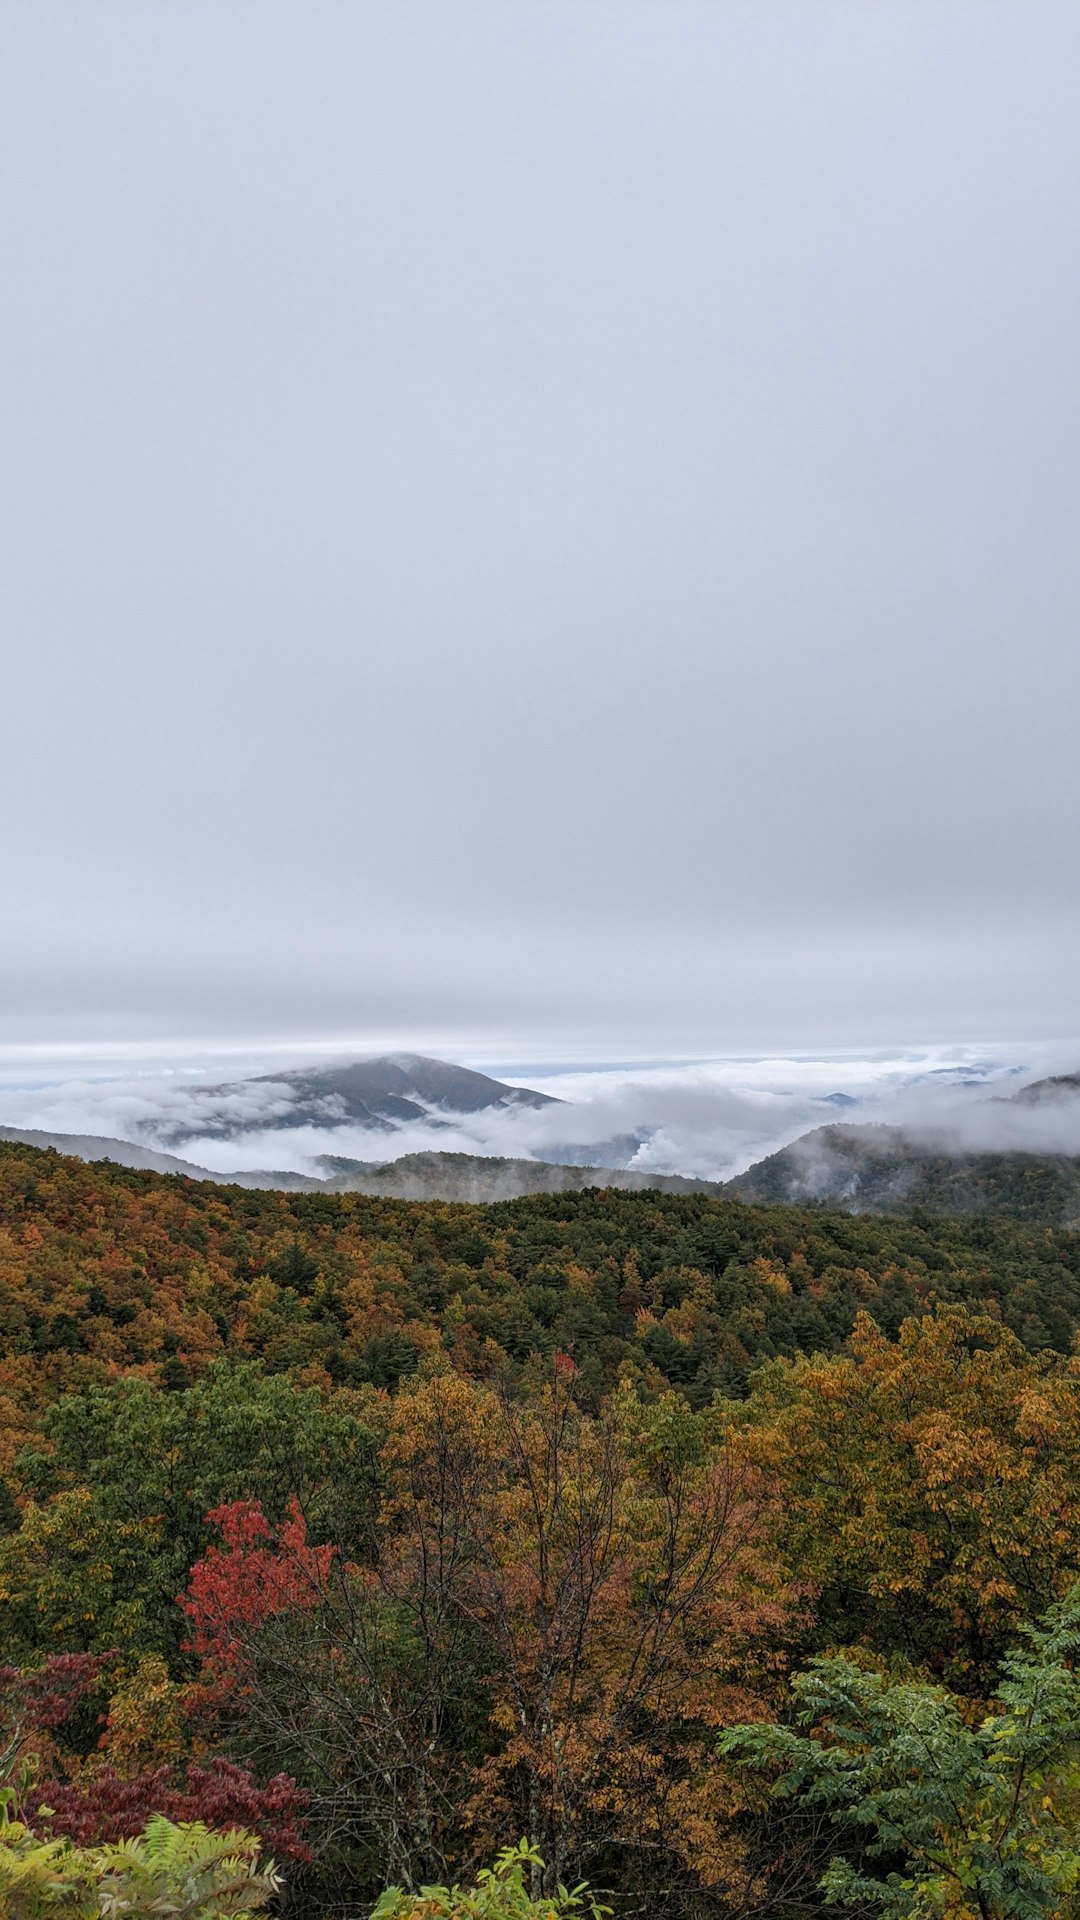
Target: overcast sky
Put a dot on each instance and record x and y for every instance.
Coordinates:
(540, 530)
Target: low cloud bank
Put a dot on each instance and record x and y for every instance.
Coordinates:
(706, 1119)
(993, 1125)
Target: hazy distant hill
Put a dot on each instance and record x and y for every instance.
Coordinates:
(468, 1176)
(380, 1094)
(94, 1146)
(872, 1169)
(1057, 1090)
(122, 1153)
(416, 1176)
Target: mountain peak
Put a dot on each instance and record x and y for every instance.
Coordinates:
(379, 1093)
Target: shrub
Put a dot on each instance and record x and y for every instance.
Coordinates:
(500, 1893)
(170, 1872)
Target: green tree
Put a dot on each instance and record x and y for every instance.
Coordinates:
(971, 1821)
(123, 1481)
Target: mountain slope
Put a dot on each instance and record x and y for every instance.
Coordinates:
(95, 1146)
(1059, 1089)
(871, 1169)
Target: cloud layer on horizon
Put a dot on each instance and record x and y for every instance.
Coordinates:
(708, 1119)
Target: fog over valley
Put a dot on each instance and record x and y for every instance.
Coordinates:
(706, 1119)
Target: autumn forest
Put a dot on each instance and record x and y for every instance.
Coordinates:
(644, 1526)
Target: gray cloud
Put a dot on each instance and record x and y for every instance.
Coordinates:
(993, 1126)
(540, 526)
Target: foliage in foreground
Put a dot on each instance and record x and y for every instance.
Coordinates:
(168, 1872)
(500, 1893)
(559, 1613)
(491, 1611)
(972, 1821)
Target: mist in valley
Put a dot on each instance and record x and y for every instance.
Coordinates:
(706, 1119)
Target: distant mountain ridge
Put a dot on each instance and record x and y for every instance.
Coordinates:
(379, 1095)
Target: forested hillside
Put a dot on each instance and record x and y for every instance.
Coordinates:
(884, 1170)
(393, 1531)
(107, 1269)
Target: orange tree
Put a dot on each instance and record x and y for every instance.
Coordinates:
(930, 1486)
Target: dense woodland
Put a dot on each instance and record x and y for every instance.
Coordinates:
(394, 1531)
